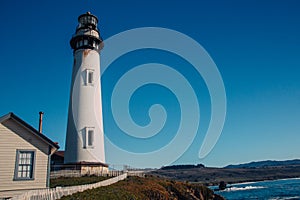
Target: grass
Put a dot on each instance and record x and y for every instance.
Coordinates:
(137, 188)
(71, 181)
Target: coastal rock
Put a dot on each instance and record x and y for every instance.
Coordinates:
(222, 185)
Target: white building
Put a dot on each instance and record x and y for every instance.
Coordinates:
(24, 157)
(85, 138)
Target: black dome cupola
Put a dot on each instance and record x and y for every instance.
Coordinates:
(87, 35)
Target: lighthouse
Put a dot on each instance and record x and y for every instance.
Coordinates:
(85, 138)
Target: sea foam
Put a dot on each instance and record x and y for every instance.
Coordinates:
(231, 189)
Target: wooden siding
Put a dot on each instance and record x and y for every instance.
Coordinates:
(15, 136)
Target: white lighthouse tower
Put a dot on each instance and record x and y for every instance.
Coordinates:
(85, 139)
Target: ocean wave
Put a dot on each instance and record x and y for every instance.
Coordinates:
(287, 179)
(231, 189)
(246, 183)
(253, 182)
(286, 198)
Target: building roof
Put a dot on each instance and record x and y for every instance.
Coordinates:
(33, 130)
(60, 153)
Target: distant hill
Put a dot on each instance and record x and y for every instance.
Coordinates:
(182, 167)
(255, 171)
(264, 164)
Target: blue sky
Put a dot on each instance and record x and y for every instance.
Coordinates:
(255, 45)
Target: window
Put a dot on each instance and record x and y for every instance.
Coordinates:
(89, 20)
(24, 165)
(89, 77)
(93, 21)
(89, 137)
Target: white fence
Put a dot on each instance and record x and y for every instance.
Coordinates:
(65, 173)
(58, 192)
(77, 173)
(136, 173)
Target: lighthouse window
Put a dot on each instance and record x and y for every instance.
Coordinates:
(89, 19)
(90, 43)
(85, 42)
(90, 138)
(83, 20)
(80, 43)
(93, 21)
(89, 77)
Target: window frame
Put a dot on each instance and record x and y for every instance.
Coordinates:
(17, 164)
(89, 144)
(90, 137)
(89, 76)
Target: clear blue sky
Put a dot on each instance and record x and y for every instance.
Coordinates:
(255, 44)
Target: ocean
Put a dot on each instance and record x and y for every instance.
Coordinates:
(284, 189)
